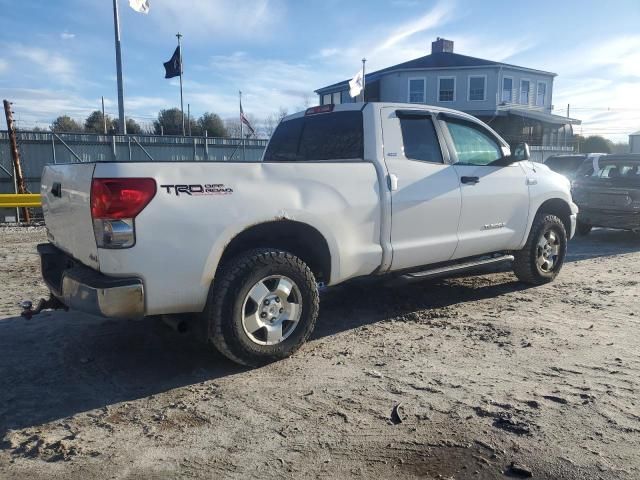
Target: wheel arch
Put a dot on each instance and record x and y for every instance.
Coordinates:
(299, 238)
(560, 208)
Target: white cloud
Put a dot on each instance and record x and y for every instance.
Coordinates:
(435, 17)
(599, 79)
(4, 65)
(218, 18)
(67, 36)
(54, 65)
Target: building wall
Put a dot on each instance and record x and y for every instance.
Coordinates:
(534, 78)
(394, 87)
(634, 143)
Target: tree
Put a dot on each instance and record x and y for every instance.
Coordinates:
(169, 122)
(595, 144)
(65, 123)
(212, 124)
(133, 127)
(272, 121)
(94, 123)
(232, 126)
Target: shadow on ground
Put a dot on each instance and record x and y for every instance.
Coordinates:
(59, 364)
(602, 242)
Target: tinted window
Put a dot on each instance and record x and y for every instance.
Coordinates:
(565, 164)
(420, 139)
(330, 136)
(284, 141)
(473, 145)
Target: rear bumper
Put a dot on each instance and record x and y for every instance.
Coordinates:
(82, 288)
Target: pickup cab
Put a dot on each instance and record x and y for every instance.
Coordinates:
(341, 192)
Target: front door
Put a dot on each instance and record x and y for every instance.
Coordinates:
(425, 197)
(495, 199)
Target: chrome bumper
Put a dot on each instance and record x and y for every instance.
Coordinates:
(82, 288)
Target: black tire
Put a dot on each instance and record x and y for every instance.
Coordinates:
(228, 299)
(583, 229)
(526, 266)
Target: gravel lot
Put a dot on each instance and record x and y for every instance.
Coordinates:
(454, 378)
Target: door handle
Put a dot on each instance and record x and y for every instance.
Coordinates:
(470, 180)
(56, 189)
(392, 181)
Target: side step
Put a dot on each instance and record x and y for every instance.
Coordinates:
(458, 267)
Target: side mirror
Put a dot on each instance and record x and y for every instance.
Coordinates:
(521, 152)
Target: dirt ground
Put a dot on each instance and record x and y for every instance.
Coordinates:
(445, 379)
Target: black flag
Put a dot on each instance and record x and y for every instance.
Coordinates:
(172, 67)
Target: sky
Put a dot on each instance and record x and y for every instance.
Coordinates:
(57, 56)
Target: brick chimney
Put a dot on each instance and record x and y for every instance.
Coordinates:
(442, 45)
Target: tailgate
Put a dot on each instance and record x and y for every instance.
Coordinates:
(66, 206)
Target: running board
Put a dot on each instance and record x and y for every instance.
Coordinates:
(459, 267)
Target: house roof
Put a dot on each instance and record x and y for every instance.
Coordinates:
(543, 116)
(435, 60)
(635, 133)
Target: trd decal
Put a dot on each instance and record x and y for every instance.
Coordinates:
(197, 189)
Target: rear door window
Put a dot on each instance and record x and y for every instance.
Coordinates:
(419, 138)
(331, 136)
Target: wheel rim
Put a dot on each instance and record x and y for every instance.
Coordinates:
(548, 251)
(271, 310)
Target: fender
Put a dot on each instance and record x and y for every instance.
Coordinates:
(226, 237)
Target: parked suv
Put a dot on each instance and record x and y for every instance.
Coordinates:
(341, 192)
(568, 165)
(608, 193)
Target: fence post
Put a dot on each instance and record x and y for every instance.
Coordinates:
(113, 148)
(206, 146)
(129, 138)
(195, 146)
(53, 148)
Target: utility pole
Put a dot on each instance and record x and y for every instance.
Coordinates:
(15, 155)
(181, 102)
(104, 119)
(244, 151)
(568, 106)
(189, 117)
(122, 126)
(364, 82)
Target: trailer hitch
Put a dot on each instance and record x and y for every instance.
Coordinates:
(51, 303)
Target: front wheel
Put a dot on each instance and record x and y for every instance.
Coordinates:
(262, 308)
(543, 255)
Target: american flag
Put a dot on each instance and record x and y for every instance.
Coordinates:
(245, 120)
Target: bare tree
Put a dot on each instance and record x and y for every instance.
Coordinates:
(271, 122)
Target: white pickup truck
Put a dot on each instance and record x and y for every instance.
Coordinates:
(341, 192)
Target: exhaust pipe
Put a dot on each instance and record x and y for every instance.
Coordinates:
(176, 322)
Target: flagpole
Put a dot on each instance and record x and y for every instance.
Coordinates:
(122, 126)
(181, 101)
(244, 152)
(364, 82)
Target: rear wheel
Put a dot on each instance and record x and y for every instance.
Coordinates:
(263, 307)
(543, 255)
(583, 228)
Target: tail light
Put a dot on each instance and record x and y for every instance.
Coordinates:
(115, 202)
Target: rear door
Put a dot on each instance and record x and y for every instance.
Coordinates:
(66, 191)
(495, 199)
(425, 197)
